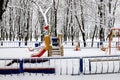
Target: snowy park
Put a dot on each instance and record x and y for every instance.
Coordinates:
(59, 39)
(96, 63)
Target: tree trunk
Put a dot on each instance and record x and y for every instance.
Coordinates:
(101, 14)
(55, 17)
(82, 32)
(93, 35)
(1, 9)
(72, 35)
(66, 23)
(55, 22)
(81, 26)
(3, 6)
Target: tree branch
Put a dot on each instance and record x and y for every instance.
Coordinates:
(81, 29)
(42, 12)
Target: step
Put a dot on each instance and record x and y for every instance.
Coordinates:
(56, 50)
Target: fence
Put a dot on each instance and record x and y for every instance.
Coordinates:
(57, 66)
(96, 44)
(11, 44)
(101, 64)
(62, 65)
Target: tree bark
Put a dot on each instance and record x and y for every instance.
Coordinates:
(83, 34)
(101, 14)
(93, 35)
(82, 26)
(3, 6)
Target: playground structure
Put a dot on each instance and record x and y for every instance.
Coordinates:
(111, 36)
(104, 48)
(77, 46)
(48, 47)
(52, 45)
(116, 33)
(56, 47)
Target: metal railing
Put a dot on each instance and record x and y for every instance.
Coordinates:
(101, 64)
(17, 44)
(61, 65)
(56, 66)
(96, 44)
(11, 44)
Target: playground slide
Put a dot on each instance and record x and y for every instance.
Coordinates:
(44, 48)
(42, 51)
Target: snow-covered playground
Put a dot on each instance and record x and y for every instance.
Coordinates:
(94, 61)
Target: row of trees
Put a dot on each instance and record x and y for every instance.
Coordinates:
(25, 19)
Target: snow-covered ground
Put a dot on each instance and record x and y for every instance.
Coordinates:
(25, 53)
(63, 77)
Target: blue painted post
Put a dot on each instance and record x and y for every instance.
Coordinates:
(97, 44)
(19, 43)
(1, 43)
(21, 66)
(89, 65)
(36, 44)
(81, 65)
(39, 43)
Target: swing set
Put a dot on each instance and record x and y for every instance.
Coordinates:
(111, 37)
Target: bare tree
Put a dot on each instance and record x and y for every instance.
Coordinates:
(24, 19)
(81, 23)
(3, 6)
(112, 5)
(54, 14)
(101, 13)
(67, 10)
(43, 8)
